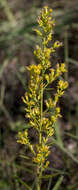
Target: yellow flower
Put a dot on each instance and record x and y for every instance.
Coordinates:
(63, 68)
(58, 112)
(42, 153)
(53, 118)
(57, 44)
(23, 137)
(62, 85)
(43, 74)
(38, 32)
(51, 132)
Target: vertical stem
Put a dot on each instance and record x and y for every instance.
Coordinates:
(66, 55)
(66, 52)
(77, 118)
(41, 100)
(41, 110)
(38, 186)
(40, 134)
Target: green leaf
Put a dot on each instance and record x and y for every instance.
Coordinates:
(50, 176)
(22, 182)
(49, 184)
(58, 133)
(25, 157)
(69, 154)
(57, 185)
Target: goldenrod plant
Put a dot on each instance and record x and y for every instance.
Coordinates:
(41, 75)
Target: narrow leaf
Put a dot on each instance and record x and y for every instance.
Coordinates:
(27, 186)
(57, 185)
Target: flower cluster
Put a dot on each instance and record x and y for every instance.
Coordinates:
(41, 75)
(42, 153)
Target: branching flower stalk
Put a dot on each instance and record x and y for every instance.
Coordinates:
(41, 75)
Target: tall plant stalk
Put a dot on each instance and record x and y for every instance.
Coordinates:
(43, 74)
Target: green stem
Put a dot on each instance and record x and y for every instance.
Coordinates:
(31, 148)
(38, 186)
(41, 111)
(42, 89)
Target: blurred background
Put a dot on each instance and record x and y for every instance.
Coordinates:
(17, 42)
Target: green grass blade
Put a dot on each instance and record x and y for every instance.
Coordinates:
(50, 176)
(61, 172)
(69, 154)
(49, 184)
(3, 67)
(72, 136)
(58, 134)
(66, 52)
(24, 169)
(25, 157)
(72, 61)
(22, 182)
(15, 177)
(57, 185)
